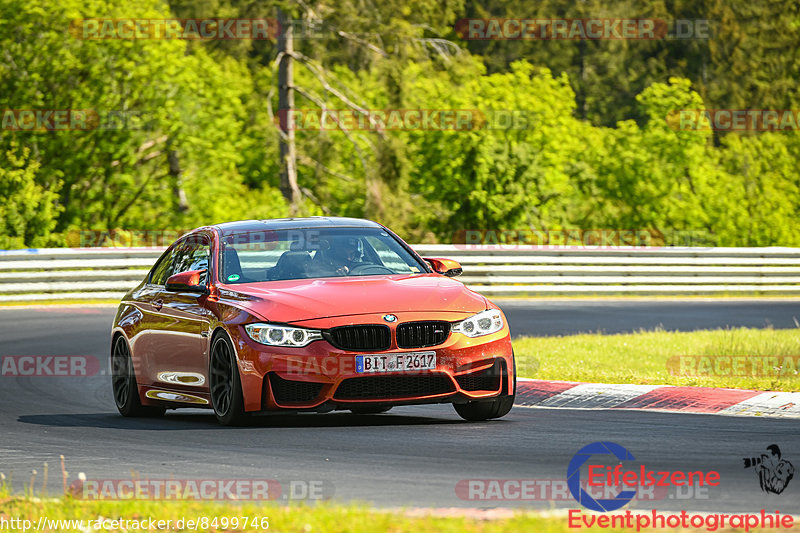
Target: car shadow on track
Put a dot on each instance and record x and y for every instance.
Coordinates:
(194, 421)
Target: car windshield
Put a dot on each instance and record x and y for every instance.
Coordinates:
(272, 255)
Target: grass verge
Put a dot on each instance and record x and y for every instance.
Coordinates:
(643, 358)
(68, 515)
(327, 518)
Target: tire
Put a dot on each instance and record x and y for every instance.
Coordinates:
(370, 410)
(487, 409)
(225, 384)
(124, 386)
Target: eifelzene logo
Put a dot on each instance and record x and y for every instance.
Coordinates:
(774, 472)
(632, 479)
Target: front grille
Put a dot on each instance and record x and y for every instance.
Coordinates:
(388, 387)
(487, 379)
(422, 334)
(360, 338)
(287, 391)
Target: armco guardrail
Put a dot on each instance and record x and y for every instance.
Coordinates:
(107, 273)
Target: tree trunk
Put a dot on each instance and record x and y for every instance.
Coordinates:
(289, 187)
(175, 174)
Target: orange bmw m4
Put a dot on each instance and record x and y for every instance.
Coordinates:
(307, 314)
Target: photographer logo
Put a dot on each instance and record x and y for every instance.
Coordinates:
(610, 479)
(774, 472)
(574, 477)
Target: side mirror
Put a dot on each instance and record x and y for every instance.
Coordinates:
(188, 281)
(445, 267)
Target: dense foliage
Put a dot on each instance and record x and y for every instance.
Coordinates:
(575, 134)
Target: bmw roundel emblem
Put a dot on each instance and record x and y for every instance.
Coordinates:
(390, 318)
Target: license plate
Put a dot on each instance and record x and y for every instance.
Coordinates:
(395, 362)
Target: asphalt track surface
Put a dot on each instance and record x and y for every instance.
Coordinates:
(567, 317)
(412, 456)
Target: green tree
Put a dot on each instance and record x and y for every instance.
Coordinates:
(172, 162)
(514, 171)
(28, 211)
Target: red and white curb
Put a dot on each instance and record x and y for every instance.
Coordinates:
(704, 400)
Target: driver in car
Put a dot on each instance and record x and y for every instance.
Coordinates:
(344, 255)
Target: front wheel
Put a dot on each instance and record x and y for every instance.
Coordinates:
(370, 409)
(123, 383)
(485, 409)
(225, 383)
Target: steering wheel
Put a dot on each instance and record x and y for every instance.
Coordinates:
(366, 270)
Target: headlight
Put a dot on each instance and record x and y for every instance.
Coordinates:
(484, 323)
(272, 335)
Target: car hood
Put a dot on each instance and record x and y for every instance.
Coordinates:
(306, 299)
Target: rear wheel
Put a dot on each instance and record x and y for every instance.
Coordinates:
(225, 383)
(123, 383)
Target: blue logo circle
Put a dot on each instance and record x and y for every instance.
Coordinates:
(574, 477)
(389, 318)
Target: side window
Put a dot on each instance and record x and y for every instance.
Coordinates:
(162, 270)
(192, 254)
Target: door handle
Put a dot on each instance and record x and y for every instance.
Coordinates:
(158, 304)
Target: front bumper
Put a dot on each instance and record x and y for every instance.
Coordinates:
(321, 377)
